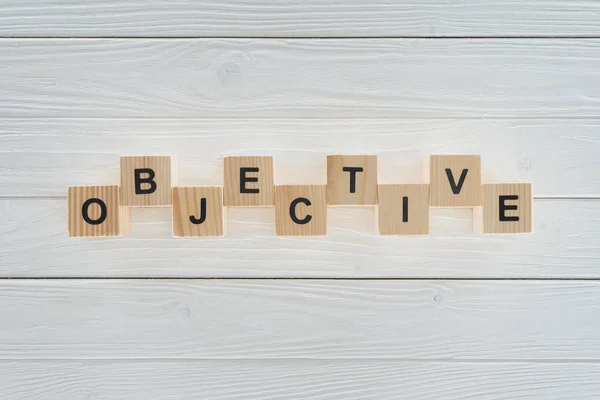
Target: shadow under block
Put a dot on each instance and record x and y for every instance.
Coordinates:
(300, 210)
(403, 209)
(351, 180)
(198, 211)
(248, 181)
(455, 180)
(507, 208)
(146, 181)
(95, 211)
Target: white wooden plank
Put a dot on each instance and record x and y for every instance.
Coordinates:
(215, 319)
(307, 18)
(41, 157)
(33, 233)
(295, 379)
(368, 78)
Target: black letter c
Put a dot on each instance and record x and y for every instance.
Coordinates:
(293, 205)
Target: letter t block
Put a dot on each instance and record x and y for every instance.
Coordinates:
(351, 180)
(145, 181)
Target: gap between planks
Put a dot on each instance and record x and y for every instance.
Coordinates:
(292, 278)
(306, 38)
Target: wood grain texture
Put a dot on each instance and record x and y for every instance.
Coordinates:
(198, 211)
(351, 186)
(257, 181)
(156, 169)
(403, 209)
(237, 78)
(508, 215)
(312, 18)
(455, 180)
(564, 244)
(295, 379)
(100, 205)
(213, 319)
(301, 210)
(40, 157)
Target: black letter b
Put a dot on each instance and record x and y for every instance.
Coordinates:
(149, 180)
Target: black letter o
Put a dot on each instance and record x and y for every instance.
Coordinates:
(86, 206)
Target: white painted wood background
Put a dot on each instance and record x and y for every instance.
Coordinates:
(252, 316)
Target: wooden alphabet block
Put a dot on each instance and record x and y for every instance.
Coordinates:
(95, 211)
(198, 211)
(507, 208)
(351, 180)
(301, 210)
(146, 181)
(403, 209)
(455, 180)
(248, 181)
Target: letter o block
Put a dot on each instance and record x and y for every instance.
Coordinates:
(95, 211)
(301, 210)
(146, 181)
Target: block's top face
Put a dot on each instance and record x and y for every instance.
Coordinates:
(248, 181)
(351, 179)
(507, 208)
(455, 180)
(190, 218)
(397, 216)
(146, 181)
(95, 211)
(301, 210)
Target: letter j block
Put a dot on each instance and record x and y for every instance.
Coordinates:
(507, 208)
(95, 211)
(146, 181)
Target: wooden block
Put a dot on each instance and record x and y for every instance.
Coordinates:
(455, 180)
(506, 209)
(351, 180)
(300, 210)
(248, 181)
(403, 209)
(146, 181)
(198, 211)
(95, 211)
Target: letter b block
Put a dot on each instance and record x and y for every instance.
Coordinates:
(506, 209)
(301, 210)
(198, 211)
(403, 209)
(248, 181)
(95, 211)
(455, 180)
(351, 180)
(145, 181)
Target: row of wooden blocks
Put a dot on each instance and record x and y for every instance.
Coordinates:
(300, 210)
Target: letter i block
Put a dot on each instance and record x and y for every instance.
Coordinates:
(403, 209)
(507, 208)
(95, 211)
(351, 180)
(146, 181)
(455, 180)
(198, 211)
(248, 181)
(301, 210)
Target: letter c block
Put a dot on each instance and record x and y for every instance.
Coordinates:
(95, 211)
(146, 181)
(300, 210)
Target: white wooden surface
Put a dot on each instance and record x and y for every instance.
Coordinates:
(451, 316)
(309, 18)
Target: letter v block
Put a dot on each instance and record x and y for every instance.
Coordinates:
(95, 211)
(455, 180)
(301, 210)
(506, 209)
(146, 181)
(198, 211)
(248, 181)
(351, 180)
(403, 209)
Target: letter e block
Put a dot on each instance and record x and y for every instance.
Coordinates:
(455, 180)
(248, 181)
(146, 181)
(507, 208)
(198, 211)
(403, 209)
(351, 180)
(95, 211)
(301, 210)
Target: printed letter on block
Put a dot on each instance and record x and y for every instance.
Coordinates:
(248, 181)
(506, 209)
(198, 211)
(145, 181)
(95, 211)
(300, 210)
(403, 209)
(455, 180)
(351, 180)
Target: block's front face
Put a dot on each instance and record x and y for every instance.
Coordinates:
(403, 209)
(198, 211)
(301, 210)
(248, 181)
(455, 180)
(145, 181)
(351, 180)
(507, 208)
(95, 211)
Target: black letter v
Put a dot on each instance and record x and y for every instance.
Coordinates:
(456, 188)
